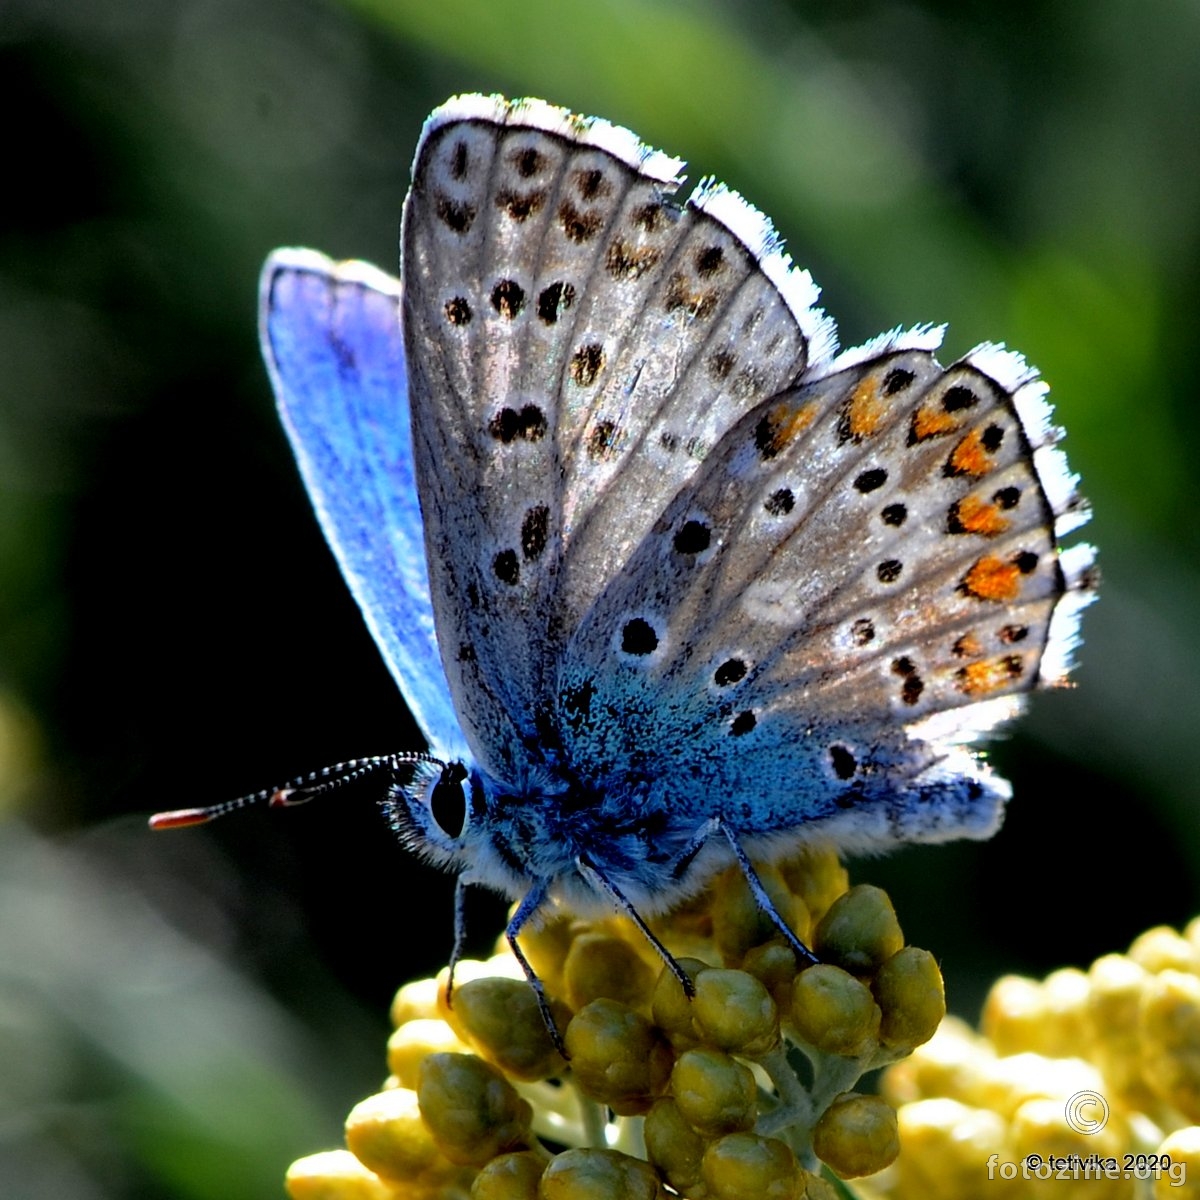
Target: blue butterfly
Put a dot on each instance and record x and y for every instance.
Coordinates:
(665, 581)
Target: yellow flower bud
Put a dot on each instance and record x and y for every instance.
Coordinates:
(945, 1149)
(413, 1042)
(599, 1175)
(471, 1110)
(1004, 1084)
(617, 1056)
(500, 1020)
(1012, 1014)
(1181, 1179)
(546, 947)
(1040, 1127)
(673, 1146)
(733, 1011)
(386, 1134)
(415, 1001)
(744, 1166)
(601, 965)
(1162, 949)
(1191, 931)
(1169, 1019)
(946, 1065)
(509, 1177)
(911, 996)
(833, 1011)
(715, 1093)
(860, 931)
(816, 876)
(334, 1175)
(1066, 998)
(1047, 1018)
(1115, 986)
(857, 1135)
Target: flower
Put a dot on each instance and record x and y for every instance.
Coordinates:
(741, 1088)
(1099, 1066)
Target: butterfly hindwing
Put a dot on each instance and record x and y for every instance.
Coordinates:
(863, 572)
(331, 337)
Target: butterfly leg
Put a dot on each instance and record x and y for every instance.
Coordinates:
(460, 932)
(610, 889)
(530, 903)
(803, 953)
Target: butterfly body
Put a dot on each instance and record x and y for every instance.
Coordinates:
(669, 580)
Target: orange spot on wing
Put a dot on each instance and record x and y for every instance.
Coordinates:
(967, 646)
(798, 420)
(866, 408)
(785, 422)
(972, 515)
(929, 420)
(979, 678)
(971, 456)
(991, 578)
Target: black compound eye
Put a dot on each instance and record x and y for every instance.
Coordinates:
(448, 801)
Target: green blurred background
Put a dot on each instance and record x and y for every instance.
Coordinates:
(180, 1015)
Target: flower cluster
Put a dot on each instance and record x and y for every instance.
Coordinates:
(742, 1090)
(1081, 1066)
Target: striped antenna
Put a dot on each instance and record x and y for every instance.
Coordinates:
(296, 791)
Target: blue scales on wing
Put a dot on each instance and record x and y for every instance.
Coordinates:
(332, 339)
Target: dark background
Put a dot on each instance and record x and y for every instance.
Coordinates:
(182, 1014)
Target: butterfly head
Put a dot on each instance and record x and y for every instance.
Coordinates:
(437, 808)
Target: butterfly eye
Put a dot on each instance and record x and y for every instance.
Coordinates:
(448, 802)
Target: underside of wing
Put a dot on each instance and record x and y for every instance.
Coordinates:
(864, 575)
(579, 344)
(332, 340)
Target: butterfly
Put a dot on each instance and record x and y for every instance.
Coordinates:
(666, 581)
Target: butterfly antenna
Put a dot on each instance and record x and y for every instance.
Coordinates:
(296, 791)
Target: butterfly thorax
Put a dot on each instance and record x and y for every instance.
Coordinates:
(556, 828)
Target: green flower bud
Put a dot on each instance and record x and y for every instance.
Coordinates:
(744, 1166)
(510, 1177)
(740, 924)
(501, 1021)
(472, 1111)
(834, 1012)
(599, 1175)
(546, 948)
(715, 1093)
(911, 996)
(857, 1135)
(673, 1146)
(773, 964)
(860, 931)
(733, 1011)
(671, 1006)
(600, 966)
(617, 1056)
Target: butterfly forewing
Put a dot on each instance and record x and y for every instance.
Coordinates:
(331, 337)
(578, 346)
